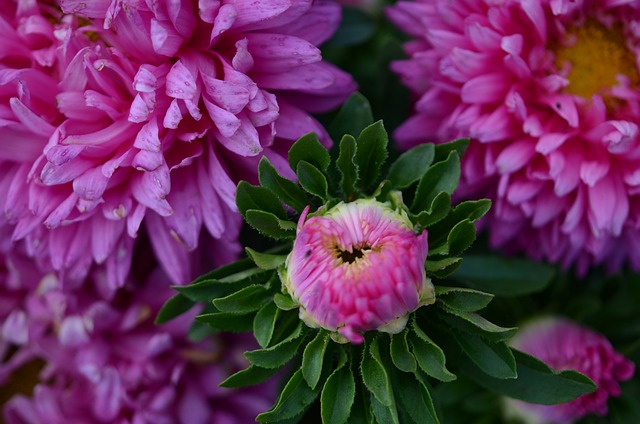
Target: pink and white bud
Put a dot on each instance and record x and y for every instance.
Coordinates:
(357, 267)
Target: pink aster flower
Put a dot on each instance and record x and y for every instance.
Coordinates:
(108, 362)
(562, 345)
(132, 112)
(548, 92)
(357, 267)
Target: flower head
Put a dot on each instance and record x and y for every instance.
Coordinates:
(548, 90)
(562, 344)
(356, 267)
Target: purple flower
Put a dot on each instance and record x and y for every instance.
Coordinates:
(356, 267)
(562, 345)
(130, 112)
(548, 92)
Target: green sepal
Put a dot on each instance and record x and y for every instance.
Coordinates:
(536, 382)
(225, 321)
(260, 198)
(444, 150)
(401, 355)
(175, 306)
(411, 166)
(266, 261)
(440, 177)
(288, 191)
(249, 377)
(279, 354)
(347, 167)
(308, 148)
(312, 180)
(415, 400)
(338, 395)
(494, 359)
(473, 323)
(441, 268)
(371, 153)
(374, 374)
(270, 225)
(463, 299)
(439, 209)
(354, 116)
(285, 302)
(264, 323)
(429, 356)
(245, 300)
(313, 358)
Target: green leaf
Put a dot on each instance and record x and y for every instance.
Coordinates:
(225, 321)
(347, 167)
(265, 261)
(261, 198)
(207, 290)
(312, 179)
(338, 396)
(444, 150)
(227, 271)
(279, 354)
(474, 324)
(285, 302)
(440, 177)
(374, 374)
(442, 268)
(294, 399)
(440, 207)
(495, 359)
(463, 299)
(264, 323)
(270, 225)
(504, 276)
(308, 148)
(249, 377)
(177, 305)
(285, 189)
(536, 382)
(401, 356)
(461, 237)
(383, 413)
(354, 116)
(411, 166)
(371, 153)
(430, 357)
(472, 210)
(248, 299)
(416, 400)
(313, 357)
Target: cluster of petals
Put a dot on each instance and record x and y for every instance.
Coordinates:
(356, 267)
(89, 361)
(563, 344)
(561, 167)
(115, 114)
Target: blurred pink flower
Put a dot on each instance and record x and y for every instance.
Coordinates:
(548, 92)
(562, 345)
(356, 267)
(118, 113)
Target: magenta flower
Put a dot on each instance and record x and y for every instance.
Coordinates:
(548, 91)
(562, 345)
(129, 112)
(357, 267)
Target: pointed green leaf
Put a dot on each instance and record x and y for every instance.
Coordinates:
(248, 299)
(347, 166)
(285, 189)
(227, 271)
(249, 377)
(285, 302)
(440, 207)
(401, 356)
(294, 399)
(416, 400)
(264, 323)
(278, 354)
(383, 413)
(313, 357)
(495, 359)
(206, 290)
(430, 357)
(265, 261)
(371, 153)
(374, 374)
(461, 237)
(536, 382)
(442, 176)
(225, 321)
(442, 268)
(463, 299)
(174, 307)
(312, 179)
(338, 396)
(472, 210)
(354, 116)
(270, 225)
(473, 323)
(411, 166)
(309, 149)
(443, 150)
(261, 198)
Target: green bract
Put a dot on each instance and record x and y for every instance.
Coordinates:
(390, 378)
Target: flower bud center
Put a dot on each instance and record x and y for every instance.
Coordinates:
(351, 257)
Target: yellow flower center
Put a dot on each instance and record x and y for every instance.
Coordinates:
(598, 56)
